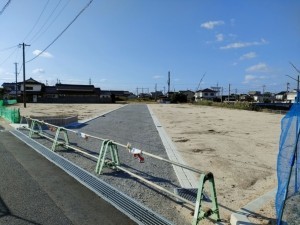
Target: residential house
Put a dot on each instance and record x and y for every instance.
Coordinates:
(205, 94)
(33, 89)
(281, 96)
(246, 98)
(9, 89)
(252, 93)
(256, 95)
(60, 93)
(190, 95)
(71, 93)
(110, 96)
(157, 94)
(291, 97)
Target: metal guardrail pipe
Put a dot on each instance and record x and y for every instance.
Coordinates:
(125, 146)
(156, 186)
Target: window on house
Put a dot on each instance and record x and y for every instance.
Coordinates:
(211, 94)
(205, 94)
(29, 88)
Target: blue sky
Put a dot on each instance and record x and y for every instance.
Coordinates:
(125, 44)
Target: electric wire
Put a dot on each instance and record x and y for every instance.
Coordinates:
(10, 55)
(47, 20)
(8, 48)
(5, 6)
(36, 37)
(37, 21)
(88, 4)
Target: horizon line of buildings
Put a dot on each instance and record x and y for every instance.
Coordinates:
(78, 93)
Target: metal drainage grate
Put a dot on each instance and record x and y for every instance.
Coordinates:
(136, 211)
(190, 194)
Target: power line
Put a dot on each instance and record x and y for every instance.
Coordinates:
(37, 33)
(10, 55)
(5, 6)
(5, 49)
(36, 37)
(62, 31)
(38, 19)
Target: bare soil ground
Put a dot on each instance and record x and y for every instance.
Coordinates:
(84, 111)
(239, 147)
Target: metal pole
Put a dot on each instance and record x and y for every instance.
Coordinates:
(125, 146)
(229, 93)
(24, 85)
(298, 89)
(156, 186)
(16, 68)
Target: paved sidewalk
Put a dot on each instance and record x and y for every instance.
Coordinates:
(35, 191)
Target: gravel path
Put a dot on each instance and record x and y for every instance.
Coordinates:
(133, 124)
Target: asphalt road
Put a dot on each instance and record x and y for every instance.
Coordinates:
(35, 191)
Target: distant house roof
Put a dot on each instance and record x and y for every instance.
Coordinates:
(74, 87)
(8, 84)
(207, 90)
(31, 81)
(50, 90)
(281, 93)
(157, 93)
(97, 91)
(254, 93)
(118, 93)
(186, 91)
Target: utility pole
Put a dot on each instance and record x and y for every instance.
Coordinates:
(24, 85)
(169, 81)
(229, 93)
(155, 92)
(264, 86)
(287, 87)
(16, 69)
(221, 94)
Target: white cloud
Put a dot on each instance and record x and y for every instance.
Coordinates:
(248, 78)
(211, 24)
(260, 67)
(44, 54)
(38, 71)
(243, 44)
(157, 77)
(253, 79)
(249, 55)
(220, 37)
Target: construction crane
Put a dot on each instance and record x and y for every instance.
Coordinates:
(200, 82)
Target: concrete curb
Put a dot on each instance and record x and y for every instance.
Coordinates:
(185, 177)
(241, 216)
